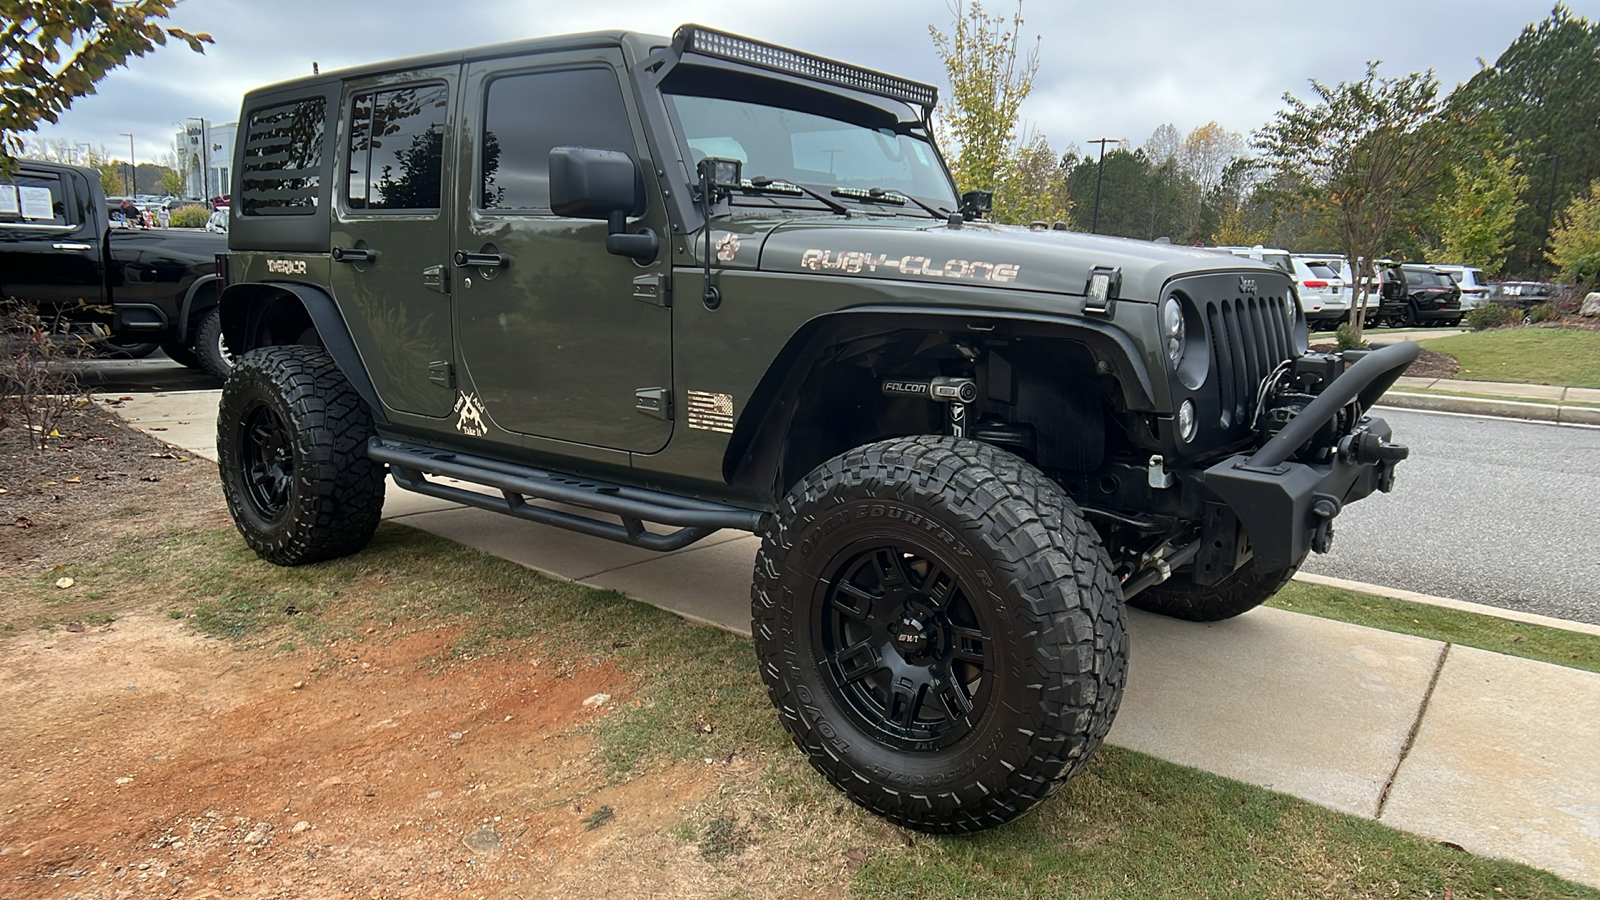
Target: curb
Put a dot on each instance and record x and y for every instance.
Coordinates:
(1497, 612)
(1553, 413)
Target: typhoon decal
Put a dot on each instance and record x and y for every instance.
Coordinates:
(469, 415)
(855, 261)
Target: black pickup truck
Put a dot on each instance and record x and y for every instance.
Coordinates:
(135, 288)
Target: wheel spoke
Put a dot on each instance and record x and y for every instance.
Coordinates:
(968, 643)
(938, 585)
(854, 601)
(905, 700)
(859, 660)
(953, 694)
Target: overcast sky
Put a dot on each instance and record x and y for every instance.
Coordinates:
(1107, 69)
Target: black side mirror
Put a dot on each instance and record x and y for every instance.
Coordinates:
(589, 183)
(976, 204)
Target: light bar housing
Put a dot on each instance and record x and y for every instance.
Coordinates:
(732, 47)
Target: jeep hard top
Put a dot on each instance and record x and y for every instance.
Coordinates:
(646, 288)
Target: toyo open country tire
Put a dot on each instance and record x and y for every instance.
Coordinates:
(291, 447)
(1239, 593)
(939, 630)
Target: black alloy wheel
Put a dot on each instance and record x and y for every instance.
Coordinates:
(906, 646)
(266, 450)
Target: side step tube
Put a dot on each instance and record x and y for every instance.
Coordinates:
(411, 464)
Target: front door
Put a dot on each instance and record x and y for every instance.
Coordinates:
(49, 251)
(560, 338)
(391, 234)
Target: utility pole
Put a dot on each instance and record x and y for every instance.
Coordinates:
(1094, 223)
(128, 183)
(205, 159)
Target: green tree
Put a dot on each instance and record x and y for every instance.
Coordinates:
(1034, 188)
(1544, 89)
(54, 51)
(1575, 241)
(1357, 155)
(171, 183)
(989, 78)
(1479, 209)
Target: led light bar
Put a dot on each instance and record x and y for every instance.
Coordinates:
(709, 42)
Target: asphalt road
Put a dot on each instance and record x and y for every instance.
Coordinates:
(1493, 511)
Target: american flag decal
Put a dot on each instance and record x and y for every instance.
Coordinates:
(711, 412)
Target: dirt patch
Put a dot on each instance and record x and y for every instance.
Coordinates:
(146, 759)
(1432, 364)
(98, 473)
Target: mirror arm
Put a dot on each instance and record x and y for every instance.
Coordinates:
(642, 245)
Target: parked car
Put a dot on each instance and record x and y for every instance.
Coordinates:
(217, 223)
(1322, 293)
(1413, 294)
(138, 286)
(1524, 295)
(707, 282)
(1474, 286)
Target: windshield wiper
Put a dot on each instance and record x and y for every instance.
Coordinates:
(761, 184)
(879, 195)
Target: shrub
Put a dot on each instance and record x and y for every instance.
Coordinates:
(193, 216)
(1544, 312)
(1491, 316)
(38, 386)
(1345, 337)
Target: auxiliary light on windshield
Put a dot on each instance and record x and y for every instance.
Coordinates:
(709, 42)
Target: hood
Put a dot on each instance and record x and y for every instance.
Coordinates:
(980, 253)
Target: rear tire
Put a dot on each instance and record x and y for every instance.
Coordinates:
(292, 452)
(211, 352)
(1237, 594)
(939, 630)
(127, 349)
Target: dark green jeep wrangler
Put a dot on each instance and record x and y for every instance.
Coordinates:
(648, 288)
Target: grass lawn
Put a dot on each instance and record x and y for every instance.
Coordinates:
(1129, 826)
(1527, 355)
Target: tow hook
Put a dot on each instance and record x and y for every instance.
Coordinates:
(1325, 507)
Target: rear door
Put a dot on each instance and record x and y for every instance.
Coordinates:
(49, 252)
(561, 339)
(391, 234)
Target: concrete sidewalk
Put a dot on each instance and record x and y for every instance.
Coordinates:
(1536, 402)
(1494, 753)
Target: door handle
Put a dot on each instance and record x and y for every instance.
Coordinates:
(71, 246)
(341, 254)
(465, 260)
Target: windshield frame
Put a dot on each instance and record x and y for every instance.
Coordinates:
(913, 126)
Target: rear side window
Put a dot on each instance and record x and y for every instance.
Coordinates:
(281, 162)
(527, 116)
(396, 148)
(1322, 270)
(33, 200)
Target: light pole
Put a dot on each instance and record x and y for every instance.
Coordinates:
(205, 158)
(1100, 168)
(131, 171)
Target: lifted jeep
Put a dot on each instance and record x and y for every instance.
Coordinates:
(705, 282)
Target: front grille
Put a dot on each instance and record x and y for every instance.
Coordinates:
(1250, 336)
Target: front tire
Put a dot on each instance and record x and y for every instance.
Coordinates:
(1244, 590)
(291, 449)
(939, 630)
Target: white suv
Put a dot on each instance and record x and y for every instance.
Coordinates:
(1321, 288)
(1474, 287)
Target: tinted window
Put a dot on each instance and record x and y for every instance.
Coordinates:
(396, 148)
(282, 156)
(529, 115)
(32, 200)
(1322, 270)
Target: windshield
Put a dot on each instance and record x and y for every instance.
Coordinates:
(824, 142)
(1428, 278)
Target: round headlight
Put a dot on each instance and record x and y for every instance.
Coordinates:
(1186, 421)
(1172, 329)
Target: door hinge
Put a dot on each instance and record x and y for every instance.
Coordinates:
(651, 289)
(442, 373)
(433, 279)
(655, 402)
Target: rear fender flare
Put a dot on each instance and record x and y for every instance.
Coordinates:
(248, 309)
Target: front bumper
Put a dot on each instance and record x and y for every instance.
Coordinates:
(1287, 507)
